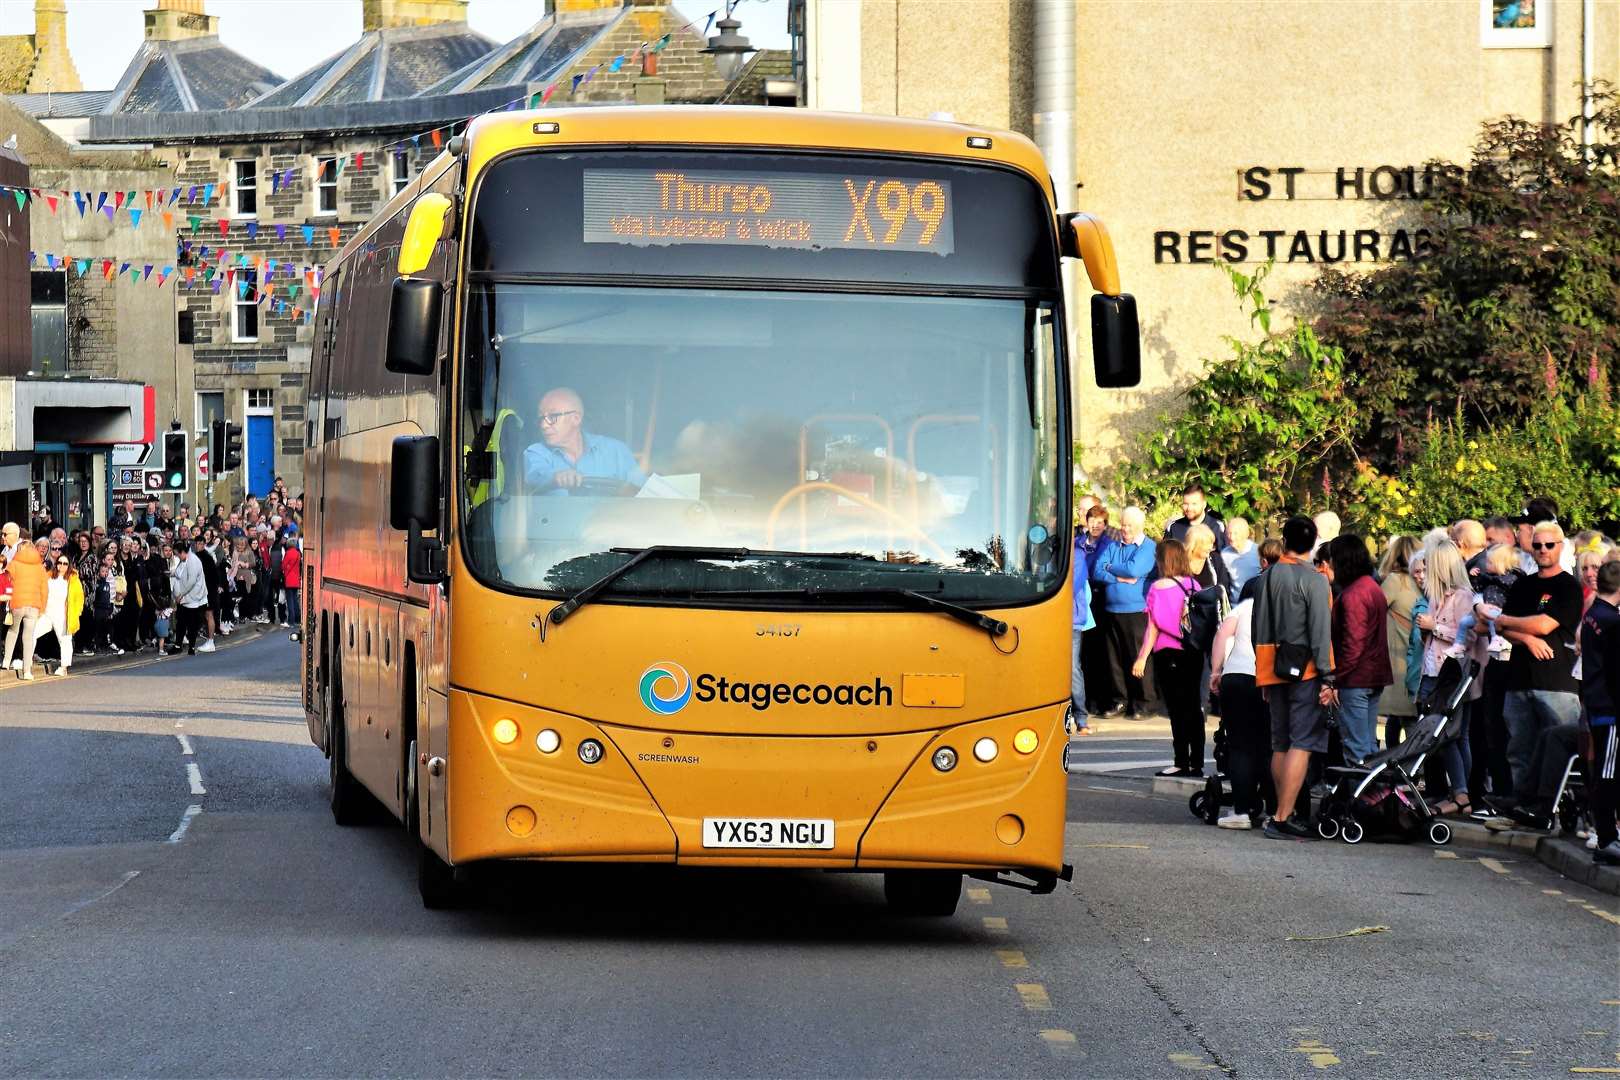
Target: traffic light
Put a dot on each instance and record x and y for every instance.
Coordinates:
(233, 448)
(216, 447)
(174, 460)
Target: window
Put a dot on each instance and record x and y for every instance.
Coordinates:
(259, 398)
(246, 188)
(402, 170)
(210, 407)
(245, 307)
(326, 185)
(1515, 24)
(47, 310)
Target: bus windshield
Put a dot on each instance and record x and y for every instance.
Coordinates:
(856, 440)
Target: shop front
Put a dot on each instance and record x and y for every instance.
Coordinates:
(56, 441)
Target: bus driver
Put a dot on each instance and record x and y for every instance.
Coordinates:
(567, 454)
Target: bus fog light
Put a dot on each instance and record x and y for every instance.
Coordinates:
(590, 751)
(547, 741)
(986, 749)
(520, 820)
(944, 759)
(505, 731)
(1026, 741)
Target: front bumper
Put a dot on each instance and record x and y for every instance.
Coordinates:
(646, 799)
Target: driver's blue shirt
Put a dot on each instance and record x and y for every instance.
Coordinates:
(604, 457)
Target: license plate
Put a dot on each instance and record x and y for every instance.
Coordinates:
(726, 832)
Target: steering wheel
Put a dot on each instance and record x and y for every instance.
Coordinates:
(604, 487)
(910, 528)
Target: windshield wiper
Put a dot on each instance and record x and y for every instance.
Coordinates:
(919, 600)
(562, 611)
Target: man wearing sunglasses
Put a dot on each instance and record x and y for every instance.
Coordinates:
(567, 455)
(1541, 616)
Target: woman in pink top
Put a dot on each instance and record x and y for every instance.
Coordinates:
(1179, 671)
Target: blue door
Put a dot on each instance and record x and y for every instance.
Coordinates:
(261, 454)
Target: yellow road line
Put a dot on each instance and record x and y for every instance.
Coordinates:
(1493, 865)
(1319, 1055)
(995, 923)
(1034, 996)
(978, 896)
(1191, 1062)
(1012, 958)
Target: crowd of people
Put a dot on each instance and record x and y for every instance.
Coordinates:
(154, 578)
(1304, 641)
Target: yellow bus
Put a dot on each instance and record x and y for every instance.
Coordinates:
(691, 485)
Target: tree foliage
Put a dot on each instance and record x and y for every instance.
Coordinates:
(1265, 422)
(1520, 295)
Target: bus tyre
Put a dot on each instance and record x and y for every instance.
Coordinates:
(930, 893)
(437, 881)
(349, 800)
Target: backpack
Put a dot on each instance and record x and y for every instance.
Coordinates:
(1201, 617)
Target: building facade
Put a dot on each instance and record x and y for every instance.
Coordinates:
(267, 178)
(1239, 132)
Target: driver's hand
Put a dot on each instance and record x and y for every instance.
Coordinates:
(567, 478)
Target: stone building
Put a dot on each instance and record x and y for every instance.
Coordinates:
(99, 366)
(1240, 130)
(274, 176)
(39, 63)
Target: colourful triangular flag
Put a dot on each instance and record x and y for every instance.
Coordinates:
(135, 216)
(309, 235)
(253, 230)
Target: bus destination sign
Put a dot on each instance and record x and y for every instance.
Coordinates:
(812, 211)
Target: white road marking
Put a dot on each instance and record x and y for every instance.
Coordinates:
(1102, 768)
(185, 823)
(129, 876)
(185, 746)
(194, 774)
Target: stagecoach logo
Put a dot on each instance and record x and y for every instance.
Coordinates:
(665, 688)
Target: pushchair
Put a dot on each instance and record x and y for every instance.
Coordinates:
(1380, 796)
(1206, 803)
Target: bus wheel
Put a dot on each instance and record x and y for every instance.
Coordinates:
(931, 893)
(436, 880)
(349, 800)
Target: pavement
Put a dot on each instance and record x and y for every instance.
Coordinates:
(176, 901)
(1132, 751)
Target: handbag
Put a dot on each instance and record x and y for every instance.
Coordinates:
(1289, 660)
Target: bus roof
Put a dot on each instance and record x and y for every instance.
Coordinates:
(493, 134)
(752, 126)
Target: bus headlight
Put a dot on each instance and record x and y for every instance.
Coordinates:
(547, 741)
(505, 731)
(590, 751)
(986, 749)
(1026, 741)
(944, 759)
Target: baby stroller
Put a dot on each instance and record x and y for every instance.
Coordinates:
(1381, 795)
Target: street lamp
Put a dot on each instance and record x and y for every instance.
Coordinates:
(728, 47)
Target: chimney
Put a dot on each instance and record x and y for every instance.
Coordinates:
(53, 72)
(178, 20)
(558, 6)
(382, 14)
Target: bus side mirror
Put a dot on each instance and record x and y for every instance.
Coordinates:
(413, 504)
(1116, 344)
(413, 326)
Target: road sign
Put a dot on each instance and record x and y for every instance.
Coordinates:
(202, 464)
(154, 480)
(130, 453)
(129, 476)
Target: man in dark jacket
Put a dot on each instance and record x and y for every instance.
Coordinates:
(1600, 694)
(1195, 511)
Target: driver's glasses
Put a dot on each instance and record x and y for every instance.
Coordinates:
(551, 419)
